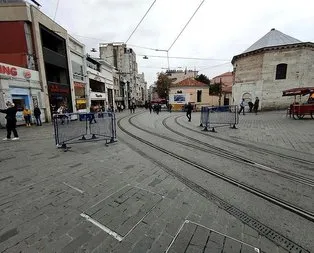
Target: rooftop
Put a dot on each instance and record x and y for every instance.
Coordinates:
(189, 82)
(272, 38)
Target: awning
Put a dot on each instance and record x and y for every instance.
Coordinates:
(298, 91)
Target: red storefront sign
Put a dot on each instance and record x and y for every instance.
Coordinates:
(54, 88)
(7, 70)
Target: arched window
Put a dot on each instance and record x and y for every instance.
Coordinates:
(281, 71)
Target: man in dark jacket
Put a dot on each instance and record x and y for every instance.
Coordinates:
(37, 113)
(11, 121)
(189, 109)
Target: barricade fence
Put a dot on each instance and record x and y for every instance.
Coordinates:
(72, 128)
(218, 116)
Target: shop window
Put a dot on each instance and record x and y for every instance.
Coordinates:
(281, 71)
(199, 96)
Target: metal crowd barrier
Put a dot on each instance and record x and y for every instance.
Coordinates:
(217, 116)
(72, 128)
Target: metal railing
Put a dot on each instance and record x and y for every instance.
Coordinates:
(72, 128)
(217, 116)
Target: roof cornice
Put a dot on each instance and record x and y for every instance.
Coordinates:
(273, 48)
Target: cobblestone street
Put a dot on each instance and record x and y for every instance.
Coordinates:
(129, 197)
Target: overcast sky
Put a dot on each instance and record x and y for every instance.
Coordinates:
(219, 30)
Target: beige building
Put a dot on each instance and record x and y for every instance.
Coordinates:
(274, 63)
(191, 91)
(179, 75)
(226, 81)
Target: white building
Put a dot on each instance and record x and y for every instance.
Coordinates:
(100, 83)
(22, 87)
(79, 75)
(124, 60)
(274, 63)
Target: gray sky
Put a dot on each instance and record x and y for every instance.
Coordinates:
(220, 29)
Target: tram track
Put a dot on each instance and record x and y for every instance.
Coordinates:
(227, 154)
(264, 230)
(242, 144)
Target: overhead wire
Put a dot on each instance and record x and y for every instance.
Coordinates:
(183, 58)
(54, 18)
(140, 21)
(186, 25)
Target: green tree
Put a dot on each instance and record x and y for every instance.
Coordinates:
(163, 85)
(203, 78)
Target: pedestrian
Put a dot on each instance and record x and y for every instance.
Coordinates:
(157, 108)
(37, 114)
(11, 121)
(189, 109)
(256, 105)
(150, 107)
(251, 106)
(27, 116)
(122, 108)
(170, 107)
(242, 106)
(133, 108)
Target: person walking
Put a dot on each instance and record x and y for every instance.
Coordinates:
(256, 105)
(37, 114)
(242, 104)
(150, 108)
(170, 107)
(251, 106)
(27, 116)
(11, 121)
(189, 109)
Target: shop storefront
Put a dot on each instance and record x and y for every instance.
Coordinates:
(80, 96)
(59, 95)
(22, 87)
(98, 101)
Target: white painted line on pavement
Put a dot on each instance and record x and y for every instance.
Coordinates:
(102, 227)
(175, 237)
(74, 188)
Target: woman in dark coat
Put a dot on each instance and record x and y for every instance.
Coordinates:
(11, 121)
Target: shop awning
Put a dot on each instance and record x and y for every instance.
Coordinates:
(298, 91)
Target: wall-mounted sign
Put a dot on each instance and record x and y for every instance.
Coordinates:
(54, 88)
(27, 74)
(18, 72)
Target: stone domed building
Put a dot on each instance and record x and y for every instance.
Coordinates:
(274, 63)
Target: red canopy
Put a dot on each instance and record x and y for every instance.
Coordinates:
(159, 101)
(298, 91)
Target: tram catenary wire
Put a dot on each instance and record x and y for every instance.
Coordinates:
(253, 223)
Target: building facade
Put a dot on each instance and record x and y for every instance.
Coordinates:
(177, 76)
(79, 75)
(36, 42)
(22, 86)
(191, 91)
(274, 63)
(124, 61)
(101, 84)
(225, 80)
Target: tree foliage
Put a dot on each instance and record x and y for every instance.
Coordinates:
(163, 85)
(203, 78)
(215, 89)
